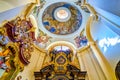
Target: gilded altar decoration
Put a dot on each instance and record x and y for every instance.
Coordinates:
(10, 63)
(16, 45)
(60, 66)
(4, 60)
(61, 60)
(62, 18)
(4, 52)
(21, 31)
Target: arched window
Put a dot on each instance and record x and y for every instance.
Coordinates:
(61, 48)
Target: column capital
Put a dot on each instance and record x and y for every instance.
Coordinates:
(83, 48)
(92, 43)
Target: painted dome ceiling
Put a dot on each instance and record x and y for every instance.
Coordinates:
(61, 18)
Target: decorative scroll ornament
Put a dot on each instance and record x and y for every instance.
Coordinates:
(21, 31)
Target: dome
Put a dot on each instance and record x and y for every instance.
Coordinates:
(61, 18)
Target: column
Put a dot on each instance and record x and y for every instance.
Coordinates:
(109, 73)
(82, 66)
(98, 69)
(106, 68)
(86, 64)
(40, 61)
(42, 54)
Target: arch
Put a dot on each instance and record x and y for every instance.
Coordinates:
(64, 43)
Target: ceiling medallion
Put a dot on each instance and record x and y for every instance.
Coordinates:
(61, 18)
(62, 14)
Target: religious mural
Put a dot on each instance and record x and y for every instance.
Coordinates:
(43, 39)
(81, 40)
(61, 18)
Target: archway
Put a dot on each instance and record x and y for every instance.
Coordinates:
(60, 65)
(62, 43)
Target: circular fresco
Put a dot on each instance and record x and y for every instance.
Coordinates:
(61, 18)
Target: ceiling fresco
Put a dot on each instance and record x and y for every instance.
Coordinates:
(20, 35)
(81, 40)
(43, 40)
(61, 18)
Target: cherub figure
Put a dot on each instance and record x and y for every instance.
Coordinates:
(42, 39)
